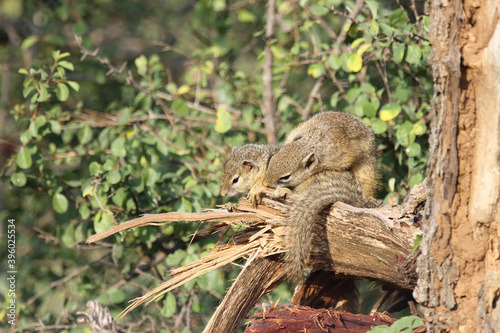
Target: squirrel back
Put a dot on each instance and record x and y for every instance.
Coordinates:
(245, 167)
(315, 194)
(328, 141)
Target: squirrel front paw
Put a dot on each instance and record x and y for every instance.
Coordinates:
(254, 198)
(231, 207)
(281, 193)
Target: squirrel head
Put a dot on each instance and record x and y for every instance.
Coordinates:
(293, 164)
(242, 165)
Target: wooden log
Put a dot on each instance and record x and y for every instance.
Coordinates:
(304, 319)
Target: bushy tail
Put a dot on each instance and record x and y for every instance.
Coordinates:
(321, 192)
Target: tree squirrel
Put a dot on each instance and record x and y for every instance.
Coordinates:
(245, 169)
(315, 194)
(328, 141)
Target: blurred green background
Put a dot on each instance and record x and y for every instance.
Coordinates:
(138, 115)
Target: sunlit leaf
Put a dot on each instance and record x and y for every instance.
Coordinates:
(223, 123)
(60, 203)
(355, 62)
(316, 70)
(390, 111)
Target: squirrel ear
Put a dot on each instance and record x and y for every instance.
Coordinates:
(297, 137)
(310, 161)
(250, 166)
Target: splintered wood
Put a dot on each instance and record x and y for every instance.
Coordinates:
(352, 241)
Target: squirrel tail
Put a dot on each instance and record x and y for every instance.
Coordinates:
(305, 214)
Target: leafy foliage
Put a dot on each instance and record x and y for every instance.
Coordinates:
(102, 141)
(404, 325)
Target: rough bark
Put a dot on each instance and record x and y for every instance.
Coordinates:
(309, 320)
(459, 269)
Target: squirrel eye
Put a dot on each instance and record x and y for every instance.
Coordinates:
(285, 178)
(235, 180)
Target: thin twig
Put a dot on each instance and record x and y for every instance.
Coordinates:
(312, 96)
(267, 76)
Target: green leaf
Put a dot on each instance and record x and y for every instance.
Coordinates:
(223, 123)
(84, 134)
(374, 27)
(95, 168)
(150, 177)
(407, 323)
(55, 54)
(357, 42)
(318, 10)
(369, 110)
(118, 147)
(55, 126)
(113, 177)
(392, 183)
(278, 52)
(23, 71)
(316, 70)
(413, 54)
(246, 17)
(142, 65)
(418, 241)
(413, 149)
(23, 159)
(44, 94)
(36, 124)
(102, 222)
(18, 179)
(403, 134)
(355, 62)
(119, 197)
(334, 62)
(419, 128)
(62, 92)
(74, 85)
(80, 27)
(112, 296)
(180, 107)
(89, 190)
(169, 306)
(363, 48)
(66, 64)
(399, 53)
(390, 111)
(416, 179)
(60, 203)
(28, 42)
(373, 5)
(379, 126)
(382, 329)
(68, 236)
(63, 55)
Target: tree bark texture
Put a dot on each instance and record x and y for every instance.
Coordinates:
(304, 319)
(459, 268)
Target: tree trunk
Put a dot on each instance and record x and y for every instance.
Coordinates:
(459, 268)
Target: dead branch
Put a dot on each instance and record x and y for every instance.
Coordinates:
(358, 242)
(304, 319)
